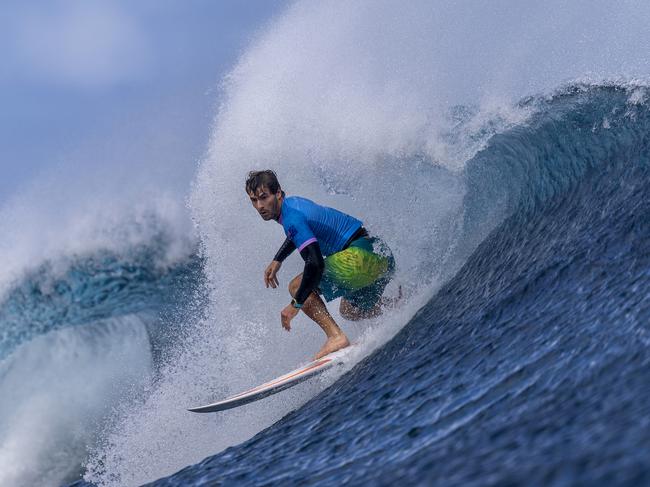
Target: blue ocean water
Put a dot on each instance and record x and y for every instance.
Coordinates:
(77, 341)
(530, 365)
(93, 288)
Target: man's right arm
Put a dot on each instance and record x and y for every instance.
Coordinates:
(285, 250)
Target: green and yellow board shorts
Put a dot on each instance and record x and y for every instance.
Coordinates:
(359, 273)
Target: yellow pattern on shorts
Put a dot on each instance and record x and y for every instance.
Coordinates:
(355, 268)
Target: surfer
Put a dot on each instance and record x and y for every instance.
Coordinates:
(341, 259)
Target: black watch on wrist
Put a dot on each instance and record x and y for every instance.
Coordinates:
(296, 304)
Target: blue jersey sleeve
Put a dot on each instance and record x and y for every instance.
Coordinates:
(297, 229)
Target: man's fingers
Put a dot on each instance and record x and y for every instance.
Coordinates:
(270, 278)
(285, 323)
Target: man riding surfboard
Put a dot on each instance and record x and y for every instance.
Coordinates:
(341, 259)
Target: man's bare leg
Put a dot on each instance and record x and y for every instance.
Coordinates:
(315, 308)
(352, 313)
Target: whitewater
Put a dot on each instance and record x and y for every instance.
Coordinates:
(502, 152)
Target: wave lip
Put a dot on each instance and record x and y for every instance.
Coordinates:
(97, 287)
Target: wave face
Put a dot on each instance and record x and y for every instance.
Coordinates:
(532, 361)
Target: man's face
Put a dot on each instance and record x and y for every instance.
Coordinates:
(266, 203)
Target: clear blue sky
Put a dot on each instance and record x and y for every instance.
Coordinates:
(95, 75)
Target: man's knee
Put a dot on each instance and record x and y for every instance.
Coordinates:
(352, 313)
(294, 284)
(349, 312)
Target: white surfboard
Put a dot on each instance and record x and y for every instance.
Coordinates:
(276, 385)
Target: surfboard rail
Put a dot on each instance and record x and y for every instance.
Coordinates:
(274, 386)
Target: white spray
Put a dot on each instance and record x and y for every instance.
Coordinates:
(349, 103)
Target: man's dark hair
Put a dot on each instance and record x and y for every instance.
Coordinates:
(257, 179)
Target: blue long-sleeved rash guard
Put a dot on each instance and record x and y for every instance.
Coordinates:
(305, 222)
(316, 231)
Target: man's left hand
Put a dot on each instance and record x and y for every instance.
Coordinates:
(287, 314)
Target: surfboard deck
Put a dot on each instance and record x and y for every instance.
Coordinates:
(276, 385)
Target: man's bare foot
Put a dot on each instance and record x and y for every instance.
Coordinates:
(332, 345)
